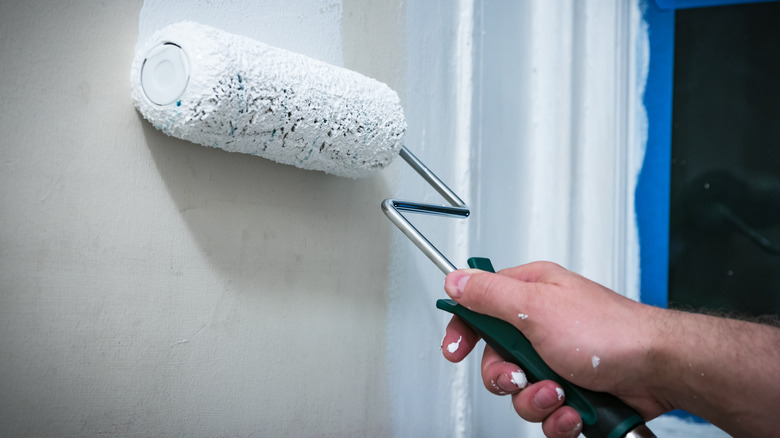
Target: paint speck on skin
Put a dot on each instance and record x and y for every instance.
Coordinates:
(522, 316)
(519, 379)
(560, 393)
(595, 360)
(497, 388)
(453, 347)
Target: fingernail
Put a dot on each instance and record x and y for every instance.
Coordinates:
(548, 397)
(519, 379)
(569, 425)
(572, 431)
(513, 381)
(455, 283)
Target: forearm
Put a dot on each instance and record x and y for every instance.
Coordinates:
(726, 371)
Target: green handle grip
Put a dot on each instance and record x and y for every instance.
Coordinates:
(603, 415)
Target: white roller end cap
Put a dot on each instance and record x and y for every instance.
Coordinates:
(165, 73)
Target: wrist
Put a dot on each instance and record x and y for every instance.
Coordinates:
(666, 347)
(695, 357)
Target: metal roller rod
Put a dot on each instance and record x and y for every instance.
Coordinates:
(393, 208)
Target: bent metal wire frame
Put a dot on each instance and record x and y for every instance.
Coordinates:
(393, 209)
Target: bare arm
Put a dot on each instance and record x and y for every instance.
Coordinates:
(724, 370)
(655, 360)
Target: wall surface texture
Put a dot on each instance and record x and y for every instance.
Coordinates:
(154, 287)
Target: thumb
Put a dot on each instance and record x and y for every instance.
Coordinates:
(492, 294)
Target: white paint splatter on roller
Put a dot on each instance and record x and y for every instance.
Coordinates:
(241, 95)
(519, 379)
(453, 346)
(595, 360)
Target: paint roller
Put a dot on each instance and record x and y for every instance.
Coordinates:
(210, 87)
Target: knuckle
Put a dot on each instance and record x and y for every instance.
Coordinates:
(546, 265)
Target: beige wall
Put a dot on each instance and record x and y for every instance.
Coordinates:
(152, 287)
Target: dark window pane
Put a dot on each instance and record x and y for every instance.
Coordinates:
(725, 200)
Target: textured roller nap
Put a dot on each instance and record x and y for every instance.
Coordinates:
(245, 96)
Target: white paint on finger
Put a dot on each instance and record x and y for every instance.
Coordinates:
(453, 347)
(519, 379)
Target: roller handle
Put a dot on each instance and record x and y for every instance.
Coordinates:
(603, 415)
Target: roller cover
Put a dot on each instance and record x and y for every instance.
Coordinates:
(240, 95)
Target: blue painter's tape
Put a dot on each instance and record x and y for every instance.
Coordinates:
(653, 185)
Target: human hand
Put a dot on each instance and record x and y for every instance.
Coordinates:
(586, 333)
